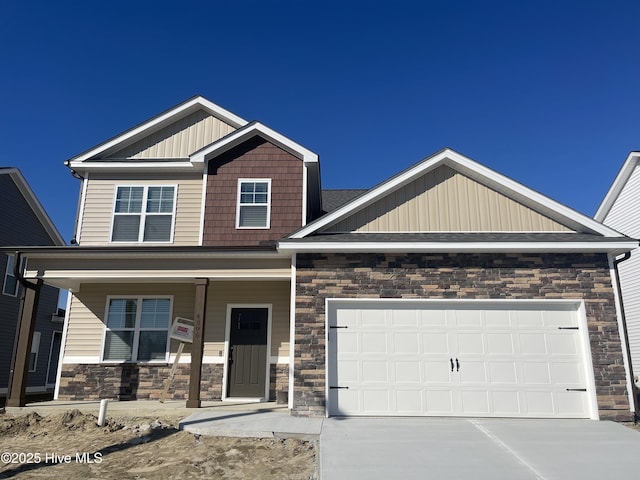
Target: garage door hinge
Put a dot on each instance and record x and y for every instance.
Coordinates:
(568, 328)
(576, 389)
(336, 326)
(338, 388)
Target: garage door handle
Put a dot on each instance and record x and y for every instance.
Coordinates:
(457, 365)
(451, 360)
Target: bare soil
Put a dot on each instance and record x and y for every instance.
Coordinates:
(72, 446)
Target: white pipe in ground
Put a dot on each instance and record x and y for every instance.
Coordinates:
(102, 416)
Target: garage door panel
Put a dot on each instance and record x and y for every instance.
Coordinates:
(506, 403)
(536, 373)
(375, 342)
(473, 371)
(470, 343)
(563, 344)
(405, 343)
(435, 343)
(512, 362)
(433, 318)
(475, 402)
(500, 343)
(502, 373)
(436, 372)
(532, 344)
(439, 401)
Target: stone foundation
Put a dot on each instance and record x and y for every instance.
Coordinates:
(457, 276)
(146, 381)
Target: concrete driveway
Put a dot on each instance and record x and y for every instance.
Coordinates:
(492, 449)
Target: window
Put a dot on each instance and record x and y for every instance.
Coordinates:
(10, 286)
(253, 203)
(137, 329)
(143, 214)
(33, 356)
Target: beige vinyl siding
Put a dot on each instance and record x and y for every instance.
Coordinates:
(98, 207)
(444, 200)
(221, 294)
(180, 139)
(86, 325)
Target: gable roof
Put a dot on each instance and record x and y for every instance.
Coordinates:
(248, 131)
(618, 184)
(500, 183)
(154, 124)
(34, 203)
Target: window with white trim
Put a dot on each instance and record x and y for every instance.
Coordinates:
(137, 329)
(144, 213)
(254, 203)
(33, 356)
(10, 285)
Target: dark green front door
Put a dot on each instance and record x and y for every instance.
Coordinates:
(247, 352)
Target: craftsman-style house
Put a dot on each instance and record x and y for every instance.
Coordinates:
(448, 289)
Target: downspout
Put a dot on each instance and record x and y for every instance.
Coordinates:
(74, 174)
(623, 321)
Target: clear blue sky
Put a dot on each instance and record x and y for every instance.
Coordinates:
(545, 92)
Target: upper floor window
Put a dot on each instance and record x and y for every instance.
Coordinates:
(137, 329)
(143, 214)
(10, 285)
(254, 203)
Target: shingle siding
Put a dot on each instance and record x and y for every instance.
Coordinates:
(256, 158)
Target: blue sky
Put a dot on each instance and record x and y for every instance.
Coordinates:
(545, 92)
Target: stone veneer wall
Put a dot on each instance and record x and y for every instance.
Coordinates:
(457, 276)
(145, 382)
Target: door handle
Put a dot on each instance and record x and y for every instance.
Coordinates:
(451, 360)
(457, 365)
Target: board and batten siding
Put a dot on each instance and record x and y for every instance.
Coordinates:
(178, 140)
(624, 216)
(88, 309)
(99, 201)
(444, 200)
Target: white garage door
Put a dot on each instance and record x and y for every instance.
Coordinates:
(499, 359)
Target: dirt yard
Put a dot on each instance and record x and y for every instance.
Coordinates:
(72, 446)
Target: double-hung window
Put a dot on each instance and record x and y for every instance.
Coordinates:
(144, 213)
(10, 285)
(254, 203)
(137, 329)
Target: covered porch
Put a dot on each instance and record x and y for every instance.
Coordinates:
(122, 302)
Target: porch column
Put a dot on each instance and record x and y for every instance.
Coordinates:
(16, 396)
(197, 346)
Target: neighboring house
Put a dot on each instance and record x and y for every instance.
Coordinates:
(448, 289)
(23, 221)
(620, 210)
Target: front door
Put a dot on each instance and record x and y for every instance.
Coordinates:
(247, 364)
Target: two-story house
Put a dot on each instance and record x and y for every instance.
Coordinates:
(23, 221)
(447, 289)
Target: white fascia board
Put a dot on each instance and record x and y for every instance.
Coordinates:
(131, 166)
(616, 187)
(160, 276)
(160, 120)
(463, 247)
(474, 170)
(34, 204)
(239, 136)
